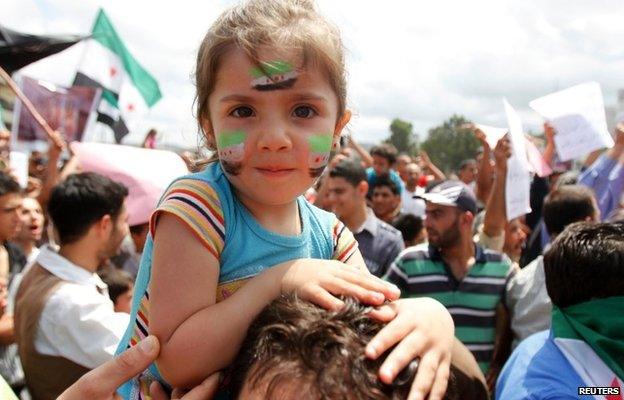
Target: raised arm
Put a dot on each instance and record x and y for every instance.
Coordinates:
(367, 159)
(486, 171)
(606, 175)
(495, 212)
(427, 163)
(549, 151)
(52, 174)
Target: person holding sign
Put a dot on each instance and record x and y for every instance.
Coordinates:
(606, 175)
(498, 233)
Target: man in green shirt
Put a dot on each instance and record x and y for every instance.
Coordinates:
(469, 280)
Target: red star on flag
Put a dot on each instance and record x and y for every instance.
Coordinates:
(615, 384)
(113, 71)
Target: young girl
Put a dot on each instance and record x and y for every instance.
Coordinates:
(224, 242)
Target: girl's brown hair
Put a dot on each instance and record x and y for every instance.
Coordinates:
(283, 24)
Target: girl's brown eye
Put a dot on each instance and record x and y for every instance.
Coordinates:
(304, 112)
(242, 112)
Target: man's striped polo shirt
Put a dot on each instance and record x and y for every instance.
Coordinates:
(420, 272)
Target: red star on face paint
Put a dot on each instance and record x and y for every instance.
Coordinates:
(113, 71)
(130, 107)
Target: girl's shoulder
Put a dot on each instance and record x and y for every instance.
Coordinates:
(311, 211)
(208, 183)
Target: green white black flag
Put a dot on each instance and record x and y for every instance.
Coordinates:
(128, 89)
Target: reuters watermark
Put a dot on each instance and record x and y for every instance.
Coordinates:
(598, 391)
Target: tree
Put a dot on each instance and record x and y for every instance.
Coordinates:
(449, 144)
(402, 136)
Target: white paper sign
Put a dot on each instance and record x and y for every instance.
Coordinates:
(578, 116)
(19, 165)
(492, 134)
(518, 183)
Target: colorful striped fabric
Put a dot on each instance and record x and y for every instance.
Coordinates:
(345, 244)
(472, 302)
(197, 205)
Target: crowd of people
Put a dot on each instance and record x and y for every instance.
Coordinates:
(297, 264)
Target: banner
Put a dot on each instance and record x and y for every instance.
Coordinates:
(66, 110)
(578, 116)
(518, 183)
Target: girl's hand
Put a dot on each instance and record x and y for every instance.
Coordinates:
(422, 328)
(322, 281)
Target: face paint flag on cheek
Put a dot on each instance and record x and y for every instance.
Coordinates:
(320, 145)
(273, 75)
(231, 145)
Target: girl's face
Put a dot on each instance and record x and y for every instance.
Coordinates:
(273, 135)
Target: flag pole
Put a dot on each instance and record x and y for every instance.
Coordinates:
(52, 134)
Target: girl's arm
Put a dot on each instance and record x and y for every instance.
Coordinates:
(199, 336)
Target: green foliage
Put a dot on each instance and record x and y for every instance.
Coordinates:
(402, 137)
(448, 144)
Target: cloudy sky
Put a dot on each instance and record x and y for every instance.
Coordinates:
(419, 61)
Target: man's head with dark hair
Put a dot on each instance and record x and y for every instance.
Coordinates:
(586, 261)
(138, 233)
(86, 200)
(120, 287)
(384, 157)
(467, 171)
(350, 171)
(8, 184)
(412, 229)
(386, 197)
(297, 350)
(10, 207)
(568, 204)
(347, 188)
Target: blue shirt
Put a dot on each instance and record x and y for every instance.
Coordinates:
(606, 178)
(538, 370)
(247, 249)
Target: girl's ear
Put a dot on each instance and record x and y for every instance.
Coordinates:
(211, 141)
(342, 122)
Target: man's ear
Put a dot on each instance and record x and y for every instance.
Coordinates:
(362, 188)
(468, 218)
(342, 122)
(104, 226)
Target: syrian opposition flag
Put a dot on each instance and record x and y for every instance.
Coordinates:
(591, 337)
(128, 90)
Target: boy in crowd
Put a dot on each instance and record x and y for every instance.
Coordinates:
(583, 352)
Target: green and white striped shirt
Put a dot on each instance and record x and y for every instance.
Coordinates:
(421, 272)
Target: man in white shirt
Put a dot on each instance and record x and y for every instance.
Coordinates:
(64, 320)
(410, 203)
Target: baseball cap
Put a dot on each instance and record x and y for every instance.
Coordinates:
(452, 193)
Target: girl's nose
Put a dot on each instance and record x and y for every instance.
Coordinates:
(274, 137)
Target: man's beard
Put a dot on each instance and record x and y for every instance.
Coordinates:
(448, 238)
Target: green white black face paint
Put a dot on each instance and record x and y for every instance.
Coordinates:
(273, 75)
(231, 146)
(320, 146)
